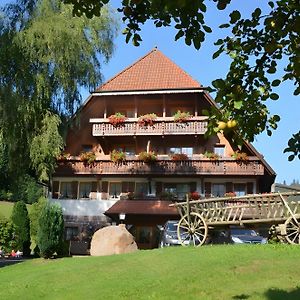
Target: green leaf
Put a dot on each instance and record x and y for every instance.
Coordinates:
(218, 83)
(274, 96)
(217, 53)
(276, 118)
(179, 34)
(218, 42)
(276, 82)
(256, 13)
(238, 104)
(291, 157)
(234, 16)
(224, 25)
(207, 29)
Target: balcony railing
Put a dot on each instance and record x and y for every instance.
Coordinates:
(162, 126)
(162, 167)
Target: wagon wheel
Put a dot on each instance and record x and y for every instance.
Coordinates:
(293, 230)
(194, 232)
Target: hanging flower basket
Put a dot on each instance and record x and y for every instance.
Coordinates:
(117, 156)
(148, 157)
(147, 120)
(182, 116)
(179, 156)
(88, 158)
(240, 157)
(211, 155)
(117, 119)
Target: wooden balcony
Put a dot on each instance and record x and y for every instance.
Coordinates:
(162, 167)
(162, 126)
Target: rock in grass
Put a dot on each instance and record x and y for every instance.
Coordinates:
(112, 240)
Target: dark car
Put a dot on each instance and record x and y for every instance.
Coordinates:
(239, 236)
(168, 236)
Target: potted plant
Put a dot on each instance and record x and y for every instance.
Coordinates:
(240, 157)
(117, 156)
(179, 156)
(117, 119)
(64, 156)
(147, 120)
(148, 157)
(182, 116)
(88, 157)
(211, 155)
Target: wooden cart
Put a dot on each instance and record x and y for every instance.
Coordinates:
(199, 216)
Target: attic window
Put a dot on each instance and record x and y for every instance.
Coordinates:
(87, 148)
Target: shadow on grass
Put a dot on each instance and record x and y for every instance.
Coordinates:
(277, 294)
(241, 297)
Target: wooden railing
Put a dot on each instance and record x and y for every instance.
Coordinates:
(162, 126)
(162, 167)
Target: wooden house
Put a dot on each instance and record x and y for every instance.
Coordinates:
(137, 144)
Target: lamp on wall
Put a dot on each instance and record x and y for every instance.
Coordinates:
(122, 217)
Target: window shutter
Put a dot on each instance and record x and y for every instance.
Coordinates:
(131, 186)
(94, 186)
(158, 188)
(193, 187)
(249, 187)
(74, 189)
(229, 187)
(124, 187)
(207, 188)
(104, 186)
(55, 186)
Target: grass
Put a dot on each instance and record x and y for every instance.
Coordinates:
(209, 272)
(7, 207)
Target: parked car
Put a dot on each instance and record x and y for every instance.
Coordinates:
(168, 236)
(238, 236)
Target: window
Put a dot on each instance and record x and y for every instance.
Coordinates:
(179, 189)
(128, 150)
(66, 190)
(220, 150)
(141, 188)
(218, 189)
(71, 233)
(240, 189)
(129, 113)
(84, 189)
(182, 150)
(115, 189)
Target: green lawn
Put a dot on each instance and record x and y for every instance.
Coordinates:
(6, 208)
(209, 272)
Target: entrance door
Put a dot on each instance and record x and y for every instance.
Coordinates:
(146, 237)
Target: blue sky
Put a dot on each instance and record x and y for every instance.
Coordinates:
(199, 65)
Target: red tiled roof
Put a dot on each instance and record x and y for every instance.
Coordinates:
(142, 207)
(154, 71)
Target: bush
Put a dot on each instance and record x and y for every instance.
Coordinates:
(34, 216)
(20, 219)
(50, 231)
(7, 233)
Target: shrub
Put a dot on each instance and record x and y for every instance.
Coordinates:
(179, 156)
(20, 219)
(148, 157)
(34, 216)
(50, 231)
(7, 234)
(88, 157)
(117, 119)
(181, 116)
(147, 120)
(118, 156)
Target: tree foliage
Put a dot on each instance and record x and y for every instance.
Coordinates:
(256, 45)
(21, 222)
(50, 230)
(46, 57)
(7, 233)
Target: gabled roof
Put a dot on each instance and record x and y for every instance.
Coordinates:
(154, 71)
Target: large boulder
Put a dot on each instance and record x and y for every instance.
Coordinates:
(112, 240)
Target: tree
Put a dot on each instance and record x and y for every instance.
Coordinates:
(7, 233)
(50, 230)
(46, 57)
(20, 219)
(256, 45)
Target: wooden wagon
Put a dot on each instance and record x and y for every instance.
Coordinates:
(280, 210)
